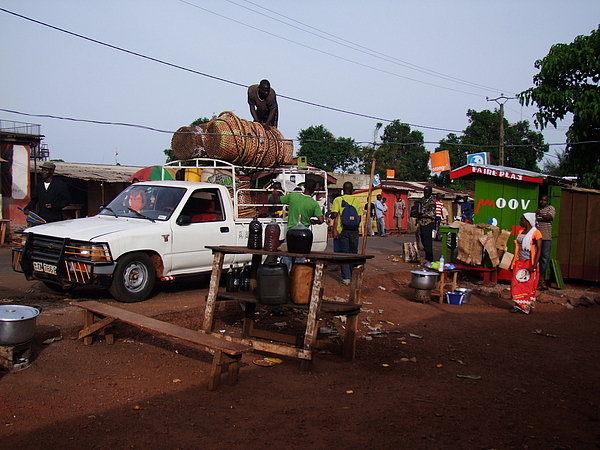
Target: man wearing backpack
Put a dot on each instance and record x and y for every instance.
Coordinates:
(346, 214)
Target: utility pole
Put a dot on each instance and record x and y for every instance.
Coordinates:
(501, 101)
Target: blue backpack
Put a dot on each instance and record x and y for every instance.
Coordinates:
(350, 217)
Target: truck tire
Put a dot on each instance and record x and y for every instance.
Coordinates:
(133, 279)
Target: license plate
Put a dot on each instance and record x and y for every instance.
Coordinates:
(44, 267)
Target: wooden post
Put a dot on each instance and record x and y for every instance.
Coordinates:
(213, 291)
(365, 231)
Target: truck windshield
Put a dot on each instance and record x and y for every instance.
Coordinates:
(141, 201)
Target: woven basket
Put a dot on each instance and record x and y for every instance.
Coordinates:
(246, 143)
(187, 142)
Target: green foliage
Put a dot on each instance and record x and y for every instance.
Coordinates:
(568, 83)
(402, 150)
(170, 154)
(322, 149)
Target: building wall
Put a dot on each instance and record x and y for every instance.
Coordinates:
(578, 250)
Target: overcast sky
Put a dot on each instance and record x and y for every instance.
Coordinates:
(423, 62)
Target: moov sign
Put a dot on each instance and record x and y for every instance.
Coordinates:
(501, 203)
(479, 159)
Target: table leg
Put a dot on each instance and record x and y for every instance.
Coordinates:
(248, 325)
(310, 336)
(349, 345)
(454, 281)
(213, 290)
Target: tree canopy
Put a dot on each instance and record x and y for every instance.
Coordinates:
(322, 149)
(403, 150)
(568, 83)
(523, 147)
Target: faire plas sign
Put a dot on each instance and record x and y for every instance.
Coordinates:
(506, 174)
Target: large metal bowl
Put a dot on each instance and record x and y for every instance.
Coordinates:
(423, 279)
(17, 323)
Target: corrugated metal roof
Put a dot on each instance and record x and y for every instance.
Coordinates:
(94, 172)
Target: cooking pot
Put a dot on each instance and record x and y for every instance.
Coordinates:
(423, 279)
(17, 323)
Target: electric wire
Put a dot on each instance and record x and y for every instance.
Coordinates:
(176, 66)
(327, 53)
(364, 143)
(360, 48)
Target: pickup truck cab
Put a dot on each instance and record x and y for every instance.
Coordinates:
(155, 230)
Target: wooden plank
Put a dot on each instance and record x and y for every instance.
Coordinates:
(211, 298)
(278, 349)
(196, 337)
(310, 337)
(591, 260)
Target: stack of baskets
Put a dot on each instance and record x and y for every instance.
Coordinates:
(236, 140)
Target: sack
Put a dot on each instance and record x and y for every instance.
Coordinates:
(350, 217)
(416, 210)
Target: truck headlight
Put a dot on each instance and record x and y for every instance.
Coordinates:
(89, 252)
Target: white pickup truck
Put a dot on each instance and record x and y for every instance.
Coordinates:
(158, 230)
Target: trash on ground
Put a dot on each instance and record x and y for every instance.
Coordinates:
(470, 377)
(51, 340)
(416, 336)
(544, 334)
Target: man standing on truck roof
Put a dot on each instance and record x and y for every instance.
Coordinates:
(263, 104)
(51, 195)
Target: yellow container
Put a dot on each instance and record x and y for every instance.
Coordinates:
(193, 174)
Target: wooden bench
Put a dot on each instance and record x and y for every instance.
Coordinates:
(225, 353)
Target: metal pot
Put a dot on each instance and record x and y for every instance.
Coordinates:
(467, 293)
(17, 323)
(423, 279)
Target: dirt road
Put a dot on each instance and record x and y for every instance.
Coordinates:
(426, 376)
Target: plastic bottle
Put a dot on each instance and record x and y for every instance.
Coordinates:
(272, 232)
(441, 268)
(230, 280)
(299, 238)
(245, 284)
(255, 235)
(237, 278)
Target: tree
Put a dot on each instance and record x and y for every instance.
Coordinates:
(567, 83)
(524, 148)
(402, 150)
(169, 153)
(322, 149)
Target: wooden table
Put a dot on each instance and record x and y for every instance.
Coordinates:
(287, 345)
(439, 288)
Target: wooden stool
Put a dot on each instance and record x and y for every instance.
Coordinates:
(439, 288)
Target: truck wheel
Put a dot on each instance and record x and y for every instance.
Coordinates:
(133, 279)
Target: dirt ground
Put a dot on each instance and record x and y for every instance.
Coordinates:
(426, 376)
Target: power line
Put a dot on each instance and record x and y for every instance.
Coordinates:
(327, 53)
(176, 66)
(360, 48)
(144, 127)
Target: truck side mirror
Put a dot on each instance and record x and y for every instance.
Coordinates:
(183, 220)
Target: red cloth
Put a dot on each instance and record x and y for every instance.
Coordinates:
(523, 285)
